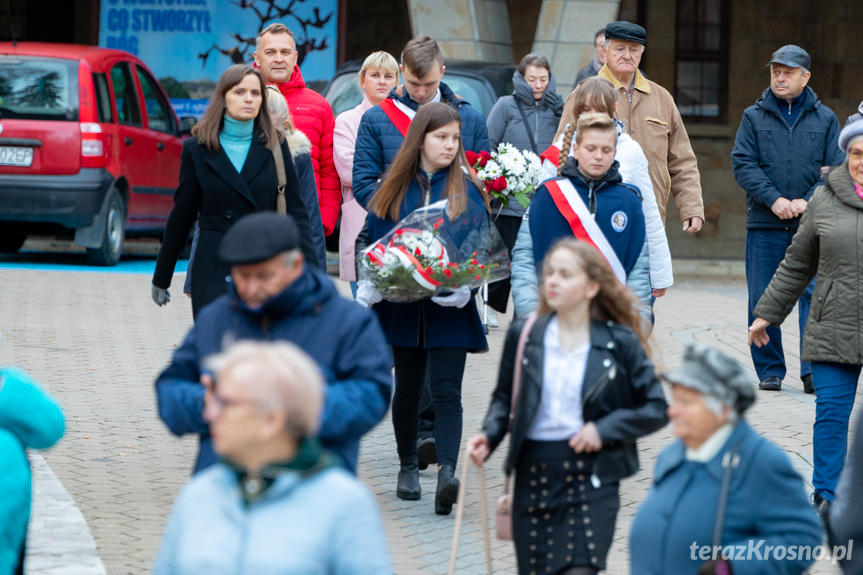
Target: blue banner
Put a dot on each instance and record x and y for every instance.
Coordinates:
(189, 43)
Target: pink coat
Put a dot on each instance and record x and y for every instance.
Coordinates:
(353, 216)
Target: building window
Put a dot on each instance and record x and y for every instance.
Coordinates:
(701, 55)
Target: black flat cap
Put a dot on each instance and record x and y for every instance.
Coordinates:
(623, 30)
(258, 237)
(791, 55)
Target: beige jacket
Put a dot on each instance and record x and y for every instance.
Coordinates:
(652, 119)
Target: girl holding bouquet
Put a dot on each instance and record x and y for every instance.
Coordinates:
(588, 392)
(434, 334)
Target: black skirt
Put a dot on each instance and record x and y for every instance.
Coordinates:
(561, 518)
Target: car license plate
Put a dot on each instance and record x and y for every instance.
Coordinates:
(10, 156)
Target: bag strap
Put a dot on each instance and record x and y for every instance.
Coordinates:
(526, 127)
(459, 514)
(730, 461)
(516, 374)
(279, 159)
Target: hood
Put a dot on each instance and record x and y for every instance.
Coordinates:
(524, 93)
(840, 183)
(770, 103)
(570, 170)
(305, 296)
(27, 412)
(299, 143)
(295, 82)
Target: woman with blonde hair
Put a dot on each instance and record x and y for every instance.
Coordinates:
(429, 338)
(588, 392)
(377, 77)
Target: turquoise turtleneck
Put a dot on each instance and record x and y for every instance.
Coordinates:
(236, 139)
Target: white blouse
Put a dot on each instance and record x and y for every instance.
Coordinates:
(559, 414)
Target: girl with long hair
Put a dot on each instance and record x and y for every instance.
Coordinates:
(429, 336)
(227, 170)
(588, 392)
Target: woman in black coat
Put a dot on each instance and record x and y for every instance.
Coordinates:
(588, 391)
(227, 171)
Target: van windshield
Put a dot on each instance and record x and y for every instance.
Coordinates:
(38, 88)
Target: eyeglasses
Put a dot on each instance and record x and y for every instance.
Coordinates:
(214, 401)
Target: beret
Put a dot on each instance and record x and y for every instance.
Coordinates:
(711, 372)
(258, 237)
(850, 132)
(791, 55)
(623, 30)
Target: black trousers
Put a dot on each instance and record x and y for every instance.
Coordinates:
(498, 292)
(445, 369)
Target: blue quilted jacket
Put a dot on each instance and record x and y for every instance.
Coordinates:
(378, 140)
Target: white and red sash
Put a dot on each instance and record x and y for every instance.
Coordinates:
(552, 154)
(399, 114)
(584, 227)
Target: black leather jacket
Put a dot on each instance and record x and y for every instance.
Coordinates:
(621, 395)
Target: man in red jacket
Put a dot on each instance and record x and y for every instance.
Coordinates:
(276, 56)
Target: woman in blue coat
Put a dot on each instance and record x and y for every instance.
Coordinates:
(766, 525)
(433, 334)
(29, 419)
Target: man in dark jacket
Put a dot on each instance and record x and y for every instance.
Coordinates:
(595, 65)
(275, 297)
(379, 137)
(785, 141)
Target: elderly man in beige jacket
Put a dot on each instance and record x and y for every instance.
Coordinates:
(652, 119)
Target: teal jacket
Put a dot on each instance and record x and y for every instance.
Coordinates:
(29, 418)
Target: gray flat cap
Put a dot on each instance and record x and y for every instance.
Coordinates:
(258, 237)
(711, 372)
(849, 133)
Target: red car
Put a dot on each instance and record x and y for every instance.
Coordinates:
(89, 145)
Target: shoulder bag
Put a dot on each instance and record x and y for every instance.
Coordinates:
(526, 127)
(279, 159)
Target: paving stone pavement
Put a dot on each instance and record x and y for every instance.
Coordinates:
(96, 342)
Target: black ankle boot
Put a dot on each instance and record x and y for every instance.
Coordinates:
(408, 486)
(447, 490)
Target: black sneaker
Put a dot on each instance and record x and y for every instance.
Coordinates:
(808, 386)
(770, 384)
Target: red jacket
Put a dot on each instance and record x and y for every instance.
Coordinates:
(313, 116)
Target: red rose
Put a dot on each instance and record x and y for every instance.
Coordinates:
(498, 184)
(417, 252)
(447, 273)
(472, 157)
(477, 278)
(484, 157)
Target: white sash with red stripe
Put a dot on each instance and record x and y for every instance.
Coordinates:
(581, 221)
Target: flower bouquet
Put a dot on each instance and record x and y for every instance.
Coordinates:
(428, 254)
(507, 173)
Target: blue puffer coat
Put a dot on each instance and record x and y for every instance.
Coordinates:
(344, 339)
(424, 323)
(29, 419)
(772, 159)
(378, 140)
